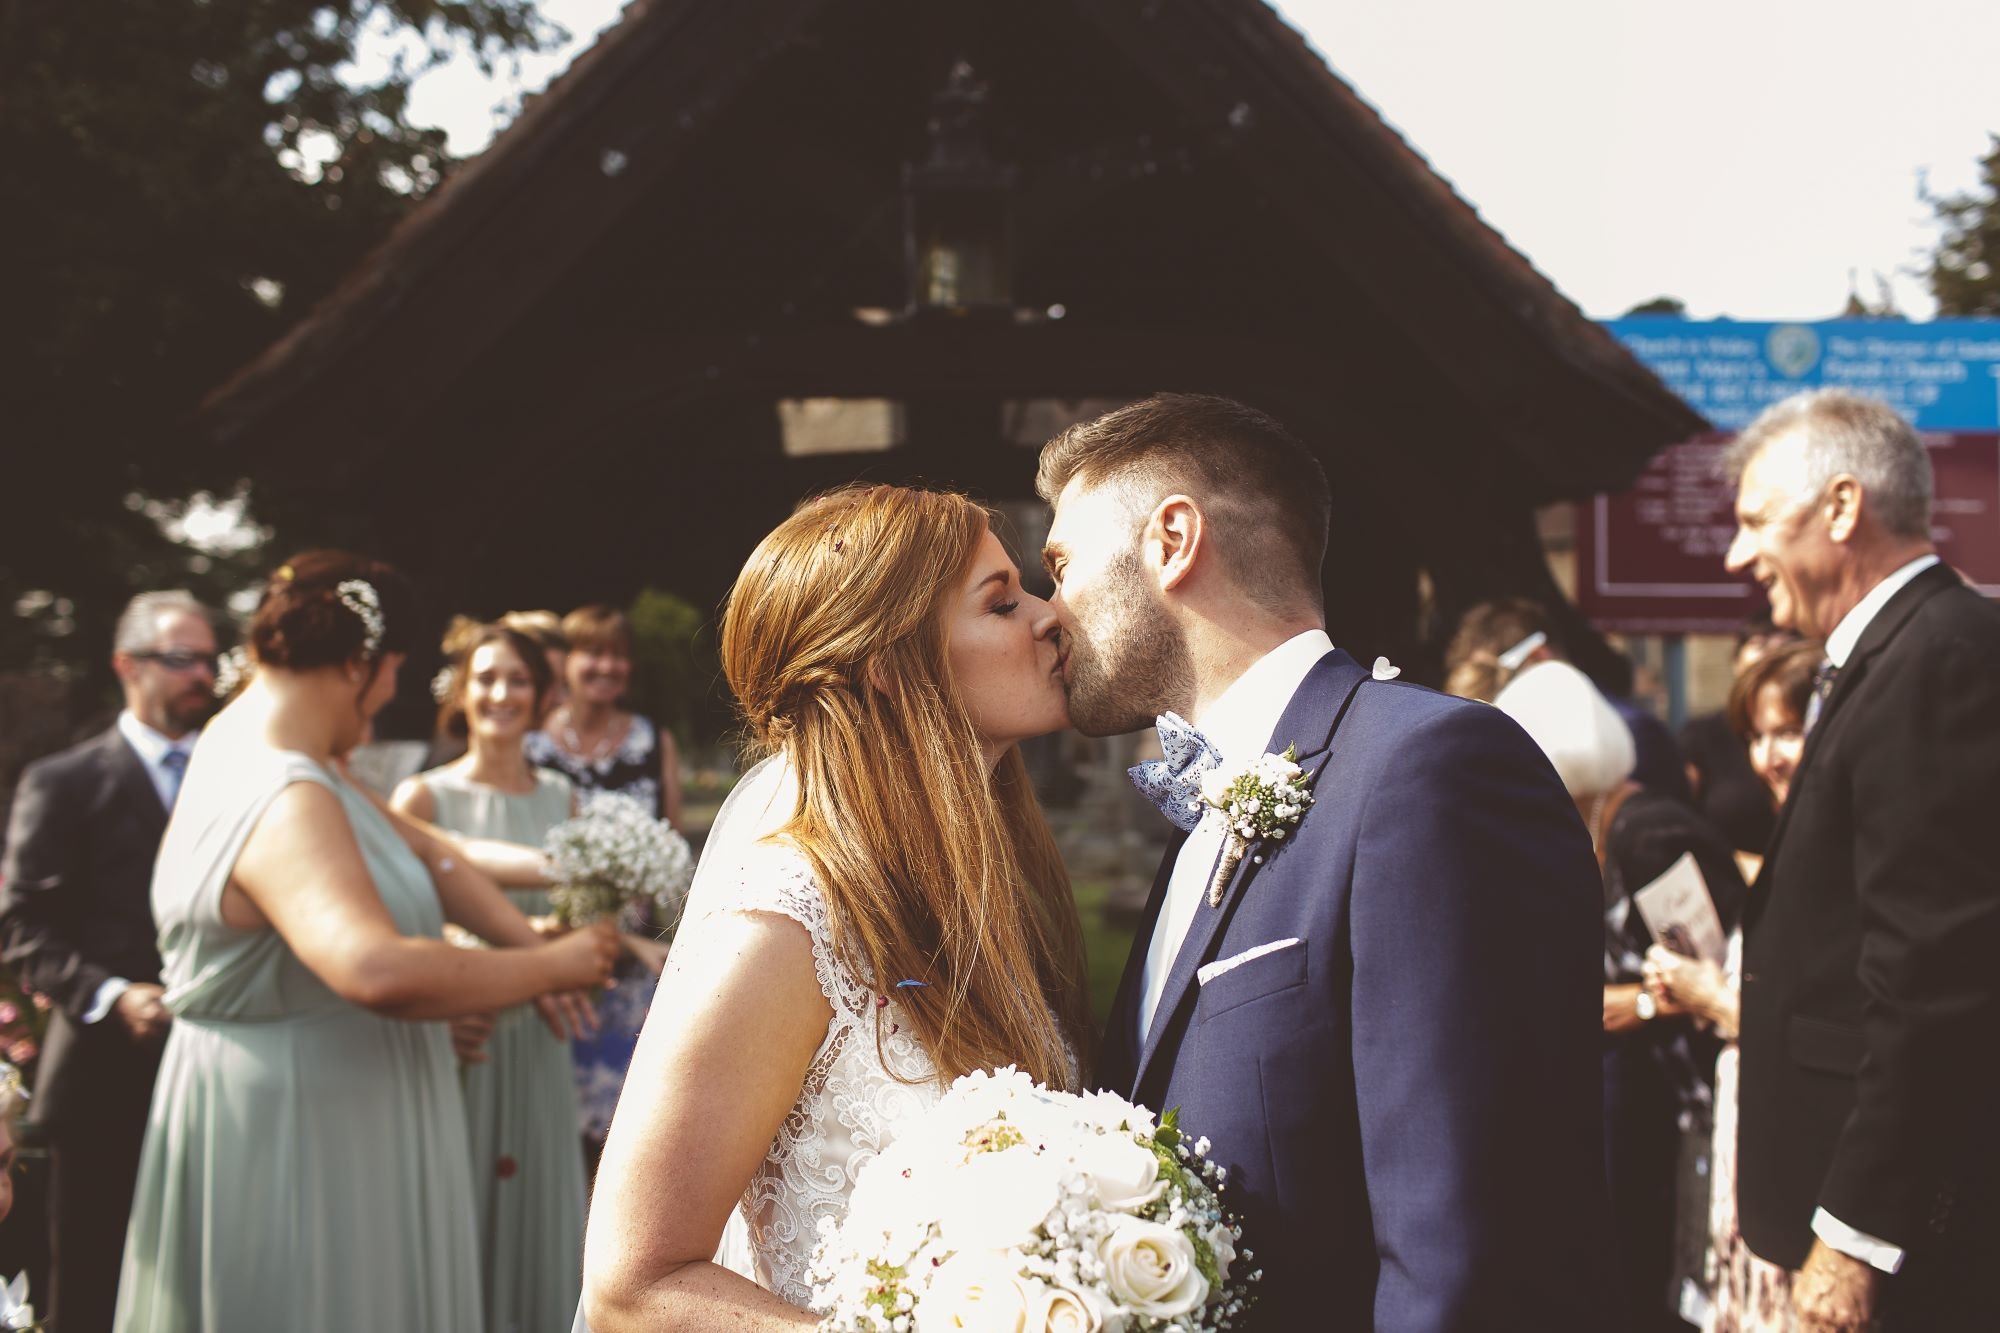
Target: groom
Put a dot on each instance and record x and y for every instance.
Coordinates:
(1386, 1020)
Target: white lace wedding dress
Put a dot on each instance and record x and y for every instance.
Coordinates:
(852, 1100)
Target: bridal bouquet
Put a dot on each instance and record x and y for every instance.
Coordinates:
(614, 853)
(1011, 1207)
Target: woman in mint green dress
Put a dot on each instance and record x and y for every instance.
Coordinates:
(520, 1098)
(305, 1166)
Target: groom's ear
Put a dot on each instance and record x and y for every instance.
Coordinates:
(1173, 540)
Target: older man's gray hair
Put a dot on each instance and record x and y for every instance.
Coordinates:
(1861, 437)
(139, 624)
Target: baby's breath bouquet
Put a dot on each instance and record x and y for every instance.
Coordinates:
(614, 853)
(1011, 1207)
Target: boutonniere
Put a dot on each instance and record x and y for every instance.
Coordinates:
(1264, 798)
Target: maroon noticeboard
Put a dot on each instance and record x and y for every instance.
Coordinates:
(1649, 559)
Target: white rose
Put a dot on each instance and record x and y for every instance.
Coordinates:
(1152, 1269)
(1215, 784)
(887, 1202)
(1108, 1110)
(974, 1292)
(1064, 1310)
(1124, 1176)
(1224, 1246)
(997, 1198)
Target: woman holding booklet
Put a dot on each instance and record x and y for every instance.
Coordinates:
(1657, 1096)
(1767, 707)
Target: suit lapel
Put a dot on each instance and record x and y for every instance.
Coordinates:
(1881, 630)
(131, 785)
(1120, 1047)
(1309, 721)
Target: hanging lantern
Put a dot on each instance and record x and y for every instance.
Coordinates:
(958, 209)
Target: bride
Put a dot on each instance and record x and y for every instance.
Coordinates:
(879, 909)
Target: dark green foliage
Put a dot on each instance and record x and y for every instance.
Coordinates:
(674, 667)
(1660, 305)
(161, 231)
(1965, 272)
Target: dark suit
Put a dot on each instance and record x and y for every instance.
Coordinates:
(1871, 1028)
(75, 912)
(1408, 1100)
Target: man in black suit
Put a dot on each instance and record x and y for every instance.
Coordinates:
(1871, 981)
(77, 926)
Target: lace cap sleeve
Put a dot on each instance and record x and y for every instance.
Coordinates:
(777, 878)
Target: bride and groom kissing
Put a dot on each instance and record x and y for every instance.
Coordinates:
(1384, 1017)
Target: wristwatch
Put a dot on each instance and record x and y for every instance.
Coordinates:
(1645, 1006)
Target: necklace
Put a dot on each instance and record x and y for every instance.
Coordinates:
(573, 742)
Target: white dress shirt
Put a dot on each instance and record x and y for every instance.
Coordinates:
(1876, 1253)
(1840, 643)
(152, 748)
(1239, 725)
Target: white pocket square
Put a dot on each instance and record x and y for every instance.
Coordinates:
(1210, 971)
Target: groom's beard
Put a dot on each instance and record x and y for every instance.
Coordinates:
(1131, 664)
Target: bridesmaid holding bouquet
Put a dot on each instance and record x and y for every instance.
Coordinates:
(305, 1165)
(527, 1175)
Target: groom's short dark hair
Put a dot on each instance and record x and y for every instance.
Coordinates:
(1264, 490)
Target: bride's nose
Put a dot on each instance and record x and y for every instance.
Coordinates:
(1042, 617)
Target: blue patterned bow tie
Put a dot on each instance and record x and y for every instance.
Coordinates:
(1174, 783)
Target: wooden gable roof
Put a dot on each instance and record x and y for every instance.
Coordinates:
(696, 208)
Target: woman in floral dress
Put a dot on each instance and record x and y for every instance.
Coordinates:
(602, 747)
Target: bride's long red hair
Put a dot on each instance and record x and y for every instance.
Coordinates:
(935, 870)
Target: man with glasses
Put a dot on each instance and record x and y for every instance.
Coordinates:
(76, 924)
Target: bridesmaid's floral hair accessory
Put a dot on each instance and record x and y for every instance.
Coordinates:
(285, 574)
(444, 682)
(359, 596)
(232, 670)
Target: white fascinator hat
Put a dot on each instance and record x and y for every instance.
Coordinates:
(1589, 744)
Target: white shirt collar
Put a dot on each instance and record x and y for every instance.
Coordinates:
(1840, 643)
(151, 745)
(1240, 721)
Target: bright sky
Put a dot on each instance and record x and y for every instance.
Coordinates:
(1743, 155)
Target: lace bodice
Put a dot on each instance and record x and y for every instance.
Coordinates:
(851, 1102)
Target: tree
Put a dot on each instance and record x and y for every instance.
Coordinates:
(1965, 272)
(674, 667)
(180, 182)
(1858, 307)
(1660, 305)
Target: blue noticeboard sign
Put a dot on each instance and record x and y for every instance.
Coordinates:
(1649, 559)
(1943, 376)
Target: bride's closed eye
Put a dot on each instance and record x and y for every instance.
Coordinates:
(1005, 608)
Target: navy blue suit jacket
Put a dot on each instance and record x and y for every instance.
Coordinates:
(1407, 1100)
